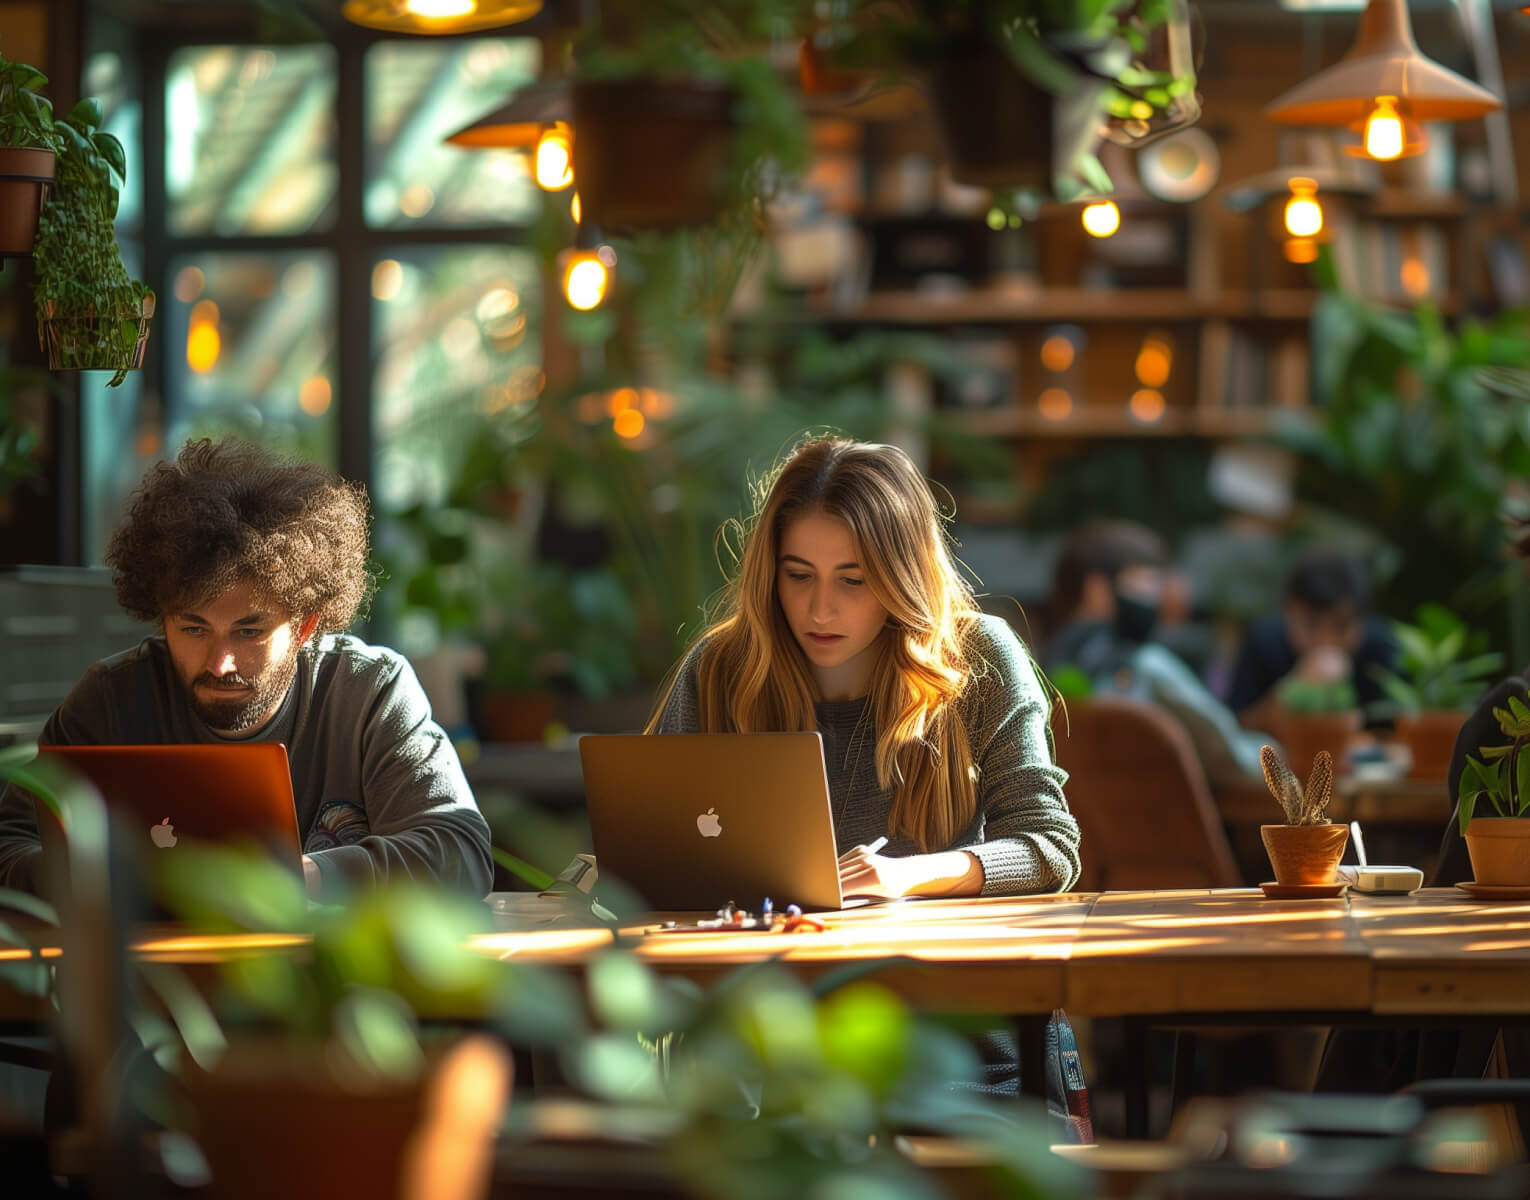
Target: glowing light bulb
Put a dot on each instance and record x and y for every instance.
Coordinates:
(1384, 130)
(585, 280)
(441, 10)
(1102, 219)
(555, 158)
(574, 208)
(1304, 215)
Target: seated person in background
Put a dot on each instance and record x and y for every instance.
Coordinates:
(847, 615)
(1106, 590)
(1323, 633)
(251, 566)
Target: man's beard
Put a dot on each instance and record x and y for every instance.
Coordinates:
(239, 713)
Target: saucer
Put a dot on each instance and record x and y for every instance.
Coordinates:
(1493, 891)
(1303, 891)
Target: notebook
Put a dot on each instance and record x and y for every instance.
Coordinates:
(691, 821)
(171, 796)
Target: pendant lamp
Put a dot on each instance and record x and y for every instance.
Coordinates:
(440, 17)
(1383, 88)
(519, 123)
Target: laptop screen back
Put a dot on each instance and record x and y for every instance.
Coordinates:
(168, 796)
(691, 821)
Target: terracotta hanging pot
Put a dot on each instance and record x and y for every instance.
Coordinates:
(26, 175)
(1000, 130)
(652, 154)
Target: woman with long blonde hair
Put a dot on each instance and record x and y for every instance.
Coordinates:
(847, 615)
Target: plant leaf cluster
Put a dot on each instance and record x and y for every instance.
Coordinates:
(1444, 667)
(1302, 806)
(26, 116)
(1500, 774)
(1307, 697)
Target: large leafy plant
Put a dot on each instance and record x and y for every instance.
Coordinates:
(1306, 697)
(1414, 442)
(1444, 665)
(82, 286)
(1500, 774)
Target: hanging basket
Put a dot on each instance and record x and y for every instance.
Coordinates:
(90, 342)
(1000, 130)
(652, 154)
(26, 175)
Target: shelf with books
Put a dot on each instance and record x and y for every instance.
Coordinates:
(1099, 420)
(1051, 305)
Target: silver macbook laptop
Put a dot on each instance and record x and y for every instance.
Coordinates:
(691, 821)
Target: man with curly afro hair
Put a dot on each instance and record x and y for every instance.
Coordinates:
(252, 567)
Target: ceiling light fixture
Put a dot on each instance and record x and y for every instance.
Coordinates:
(1383, 88)
(438, 17)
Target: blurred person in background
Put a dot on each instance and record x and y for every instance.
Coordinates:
(1108, 588)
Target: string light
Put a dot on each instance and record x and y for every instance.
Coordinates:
(554, 157)
(586, 279)
(1304, 215)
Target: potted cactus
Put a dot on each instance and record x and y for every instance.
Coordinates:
(1444, 672)
(91, 315)
(28, 154)
(1305, 851)
(1500, 775)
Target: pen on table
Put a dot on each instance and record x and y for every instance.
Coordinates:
(873, 848)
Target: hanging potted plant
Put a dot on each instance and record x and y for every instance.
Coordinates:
(91, 315)
(679, 119)
(1500, 776)
(1022, 90)
(28, 145)
(1441, 679)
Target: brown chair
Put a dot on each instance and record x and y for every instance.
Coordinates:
(1140, 797)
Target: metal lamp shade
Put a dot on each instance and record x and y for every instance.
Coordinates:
(1384, 61)
(519, 123)
(399, 16)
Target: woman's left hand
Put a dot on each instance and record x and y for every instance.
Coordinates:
(862, 873)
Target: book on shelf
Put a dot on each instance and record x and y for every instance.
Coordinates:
(1257, 372)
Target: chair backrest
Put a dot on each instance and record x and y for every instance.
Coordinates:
(1140, 797)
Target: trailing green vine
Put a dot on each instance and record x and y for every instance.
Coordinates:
(91, 314)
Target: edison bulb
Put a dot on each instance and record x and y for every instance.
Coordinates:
(1102, 219)
(585, 280)
(441, 10)
(554, 158)
(1304, 215)
(1384, 130)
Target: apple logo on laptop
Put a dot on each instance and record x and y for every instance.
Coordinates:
(709, 824)
(163, 834)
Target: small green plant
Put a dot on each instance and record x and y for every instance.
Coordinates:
(1309, 698)
(91, 314)
(1485, 777)
(1302, 806)
(1443, 666)
(26, 116)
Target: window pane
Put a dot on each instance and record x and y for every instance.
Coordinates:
(417, 94)
(250, 139)
(250, 339)
(457, 351)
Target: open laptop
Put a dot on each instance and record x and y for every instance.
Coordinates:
(169, 796)
(692, 820)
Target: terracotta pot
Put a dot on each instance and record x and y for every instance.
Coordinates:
(1302, 735)
(1431, 737)
(275, 1118)
(1500, 850)
(1304, 854)
(515, 716)
(999, 129)
(26, 174)
(652, 154)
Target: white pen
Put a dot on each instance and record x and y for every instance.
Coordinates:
(874, 847)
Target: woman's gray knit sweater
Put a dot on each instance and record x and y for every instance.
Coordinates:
(1023, 834)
